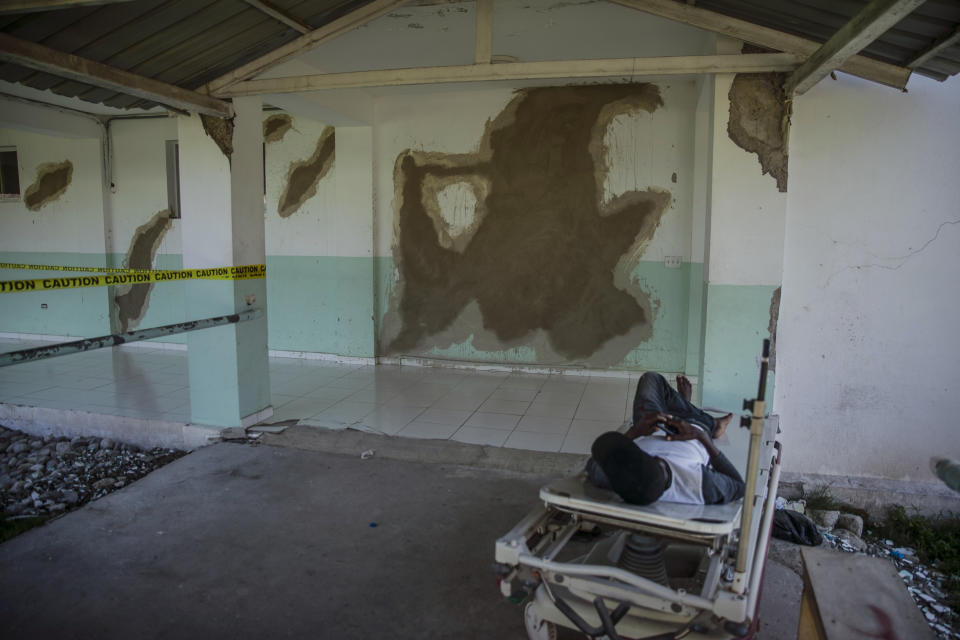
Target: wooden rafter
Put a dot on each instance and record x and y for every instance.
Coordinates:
(869, 24)
(302, 44)
(867, 68)
(935, 48)
(277, 14)
(28, 6)
(626, 67)
(483, 51)
(41, 58)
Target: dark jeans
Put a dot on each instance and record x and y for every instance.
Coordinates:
(654, 393)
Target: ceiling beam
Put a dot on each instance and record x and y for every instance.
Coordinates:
(869, 24)
(483, 51)
(302, 44)
(624, 68)
(41, 58)
(867, 68)
(28, 6)
(277, 14)
(935, 48)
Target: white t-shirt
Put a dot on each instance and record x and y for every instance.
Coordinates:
(686, 459)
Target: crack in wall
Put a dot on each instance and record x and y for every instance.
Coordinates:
(220, 131)
(543, 256)
(903, 258)
(52, 181)
(303, 177)
(756, 125)
(276, 126)
(131, 301)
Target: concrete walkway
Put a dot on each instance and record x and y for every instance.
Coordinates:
(234, 541)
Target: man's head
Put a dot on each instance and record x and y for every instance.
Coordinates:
(635, 475)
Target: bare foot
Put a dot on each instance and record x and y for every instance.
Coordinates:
(684, 387)
(722, 425)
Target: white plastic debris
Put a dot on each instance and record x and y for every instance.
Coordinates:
(366, 454)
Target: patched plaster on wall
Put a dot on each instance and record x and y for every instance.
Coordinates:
(52, 181)
(130, 301)
(545, 248)
(276, 126)
(757, 121)
(220, 131)
(303, 177)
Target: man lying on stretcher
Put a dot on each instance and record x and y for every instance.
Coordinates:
(668, 452)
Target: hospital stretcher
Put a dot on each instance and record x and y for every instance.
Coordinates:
(665, 570)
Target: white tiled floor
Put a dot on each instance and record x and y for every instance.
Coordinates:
(523, 411)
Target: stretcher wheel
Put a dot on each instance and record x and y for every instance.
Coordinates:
(537, 627)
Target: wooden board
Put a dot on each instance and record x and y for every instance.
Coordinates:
(849, 596)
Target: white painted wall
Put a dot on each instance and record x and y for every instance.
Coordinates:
(868, 360)
(746, 210)
(73, 222)
(442, 34)
(139, 179)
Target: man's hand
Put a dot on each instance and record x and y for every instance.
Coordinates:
(647, 424)
(684, 430)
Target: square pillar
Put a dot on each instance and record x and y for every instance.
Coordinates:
(222, 222)
(743, 261)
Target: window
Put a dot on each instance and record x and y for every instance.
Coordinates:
(9, 174)
(173, 178)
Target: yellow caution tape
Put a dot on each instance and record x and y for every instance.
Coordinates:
(133, 277)
(51, 267)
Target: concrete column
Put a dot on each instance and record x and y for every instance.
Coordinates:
(354, 181)
(743, 267)
(222, 202)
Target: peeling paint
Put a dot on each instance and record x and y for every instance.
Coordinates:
(52, 181)
(303, 177)
(131, 301)
(543, 254)
(772, 327)
(276, 126)
(220, 131)
(757, 117)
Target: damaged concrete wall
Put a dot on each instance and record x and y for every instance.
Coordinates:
(130, 302)
(301, 186)
(868, 376)
(303, 177)
(220, 130)
(527, 249)
(758, 121)
(52, 181)
(276, 126)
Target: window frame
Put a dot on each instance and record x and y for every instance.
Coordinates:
(12, 197)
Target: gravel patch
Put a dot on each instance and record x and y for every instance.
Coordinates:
(42, 476)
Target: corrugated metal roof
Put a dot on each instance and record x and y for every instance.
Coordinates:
(181, 42)
(819, 19)
(190, 42)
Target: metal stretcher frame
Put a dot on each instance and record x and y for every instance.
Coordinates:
(726, 606)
